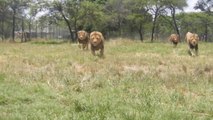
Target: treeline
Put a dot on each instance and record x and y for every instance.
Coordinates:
(136, 19)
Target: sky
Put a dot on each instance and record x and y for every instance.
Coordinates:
(191, 4)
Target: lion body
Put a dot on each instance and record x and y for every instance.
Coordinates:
(192, 41)
(97, 42)
(83, 39)
(174, 38)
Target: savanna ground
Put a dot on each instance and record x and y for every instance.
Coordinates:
(135, 81)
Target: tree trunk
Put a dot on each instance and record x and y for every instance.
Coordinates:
(69, 26)
(153, 27)
(14, 23)
(30, 29)
(141, 32)
(23, 39)
(2, 29)
(41, 32)
(75, 25)
(206, 31)
(174, 21)
(36, 34)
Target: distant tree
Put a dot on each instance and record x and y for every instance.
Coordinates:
(4, 12)
(60, 7)
(173, 6)
(16, 6)
(156, 8)
(138, 16)
(34, 7)
(205, 5)
(206, 23)
(118, 13)
(196, 22)
(92, 16)
(98, 1)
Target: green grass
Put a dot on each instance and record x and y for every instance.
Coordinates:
(135, 81)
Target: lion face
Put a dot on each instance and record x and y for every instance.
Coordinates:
(192, 38)
(174, 38)
(96, 38)
(82, 35)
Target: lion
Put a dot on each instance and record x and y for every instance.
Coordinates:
(192, 41)
(174, 38)
(83, 39)
(97, 42)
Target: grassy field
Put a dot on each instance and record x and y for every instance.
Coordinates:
(135, 81)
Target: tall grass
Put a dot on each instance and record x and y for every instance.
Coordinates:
(134, 81)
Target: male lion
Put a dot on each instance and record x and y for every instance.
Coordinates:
(83, 39)
(97, 42)
(192, 41)
(174, 38)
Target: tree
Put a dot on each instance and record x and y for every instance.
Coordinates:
(61, 7)
(16, 6)
(118, 12)
(138, 16)
(196, 22)
(207, 23)
(205, 5)
(92, 16)
(4, 12)
(156, 8)
(35, 6)
(174, 5)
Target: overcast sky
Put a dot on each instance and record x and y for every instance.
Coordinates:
(191, 4)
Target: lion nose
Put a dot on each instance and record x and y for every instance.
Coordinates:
(95, 41)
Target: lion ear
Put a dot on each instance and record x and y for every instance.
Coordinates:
(101, 35)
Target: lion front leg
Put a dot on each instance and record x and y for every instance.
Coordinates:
(102, 52)
(190, 51)
(86, 46)
(93, 52)
(196, 50)
(79, 45)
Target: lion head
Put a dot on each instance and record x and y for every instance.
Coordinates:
(174, 38)
(96, 38)
(82, 35)
(194, 39)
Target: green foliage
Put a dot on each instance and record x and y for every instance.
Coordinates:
(199, 23)
(92, 16)
(204, 5)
